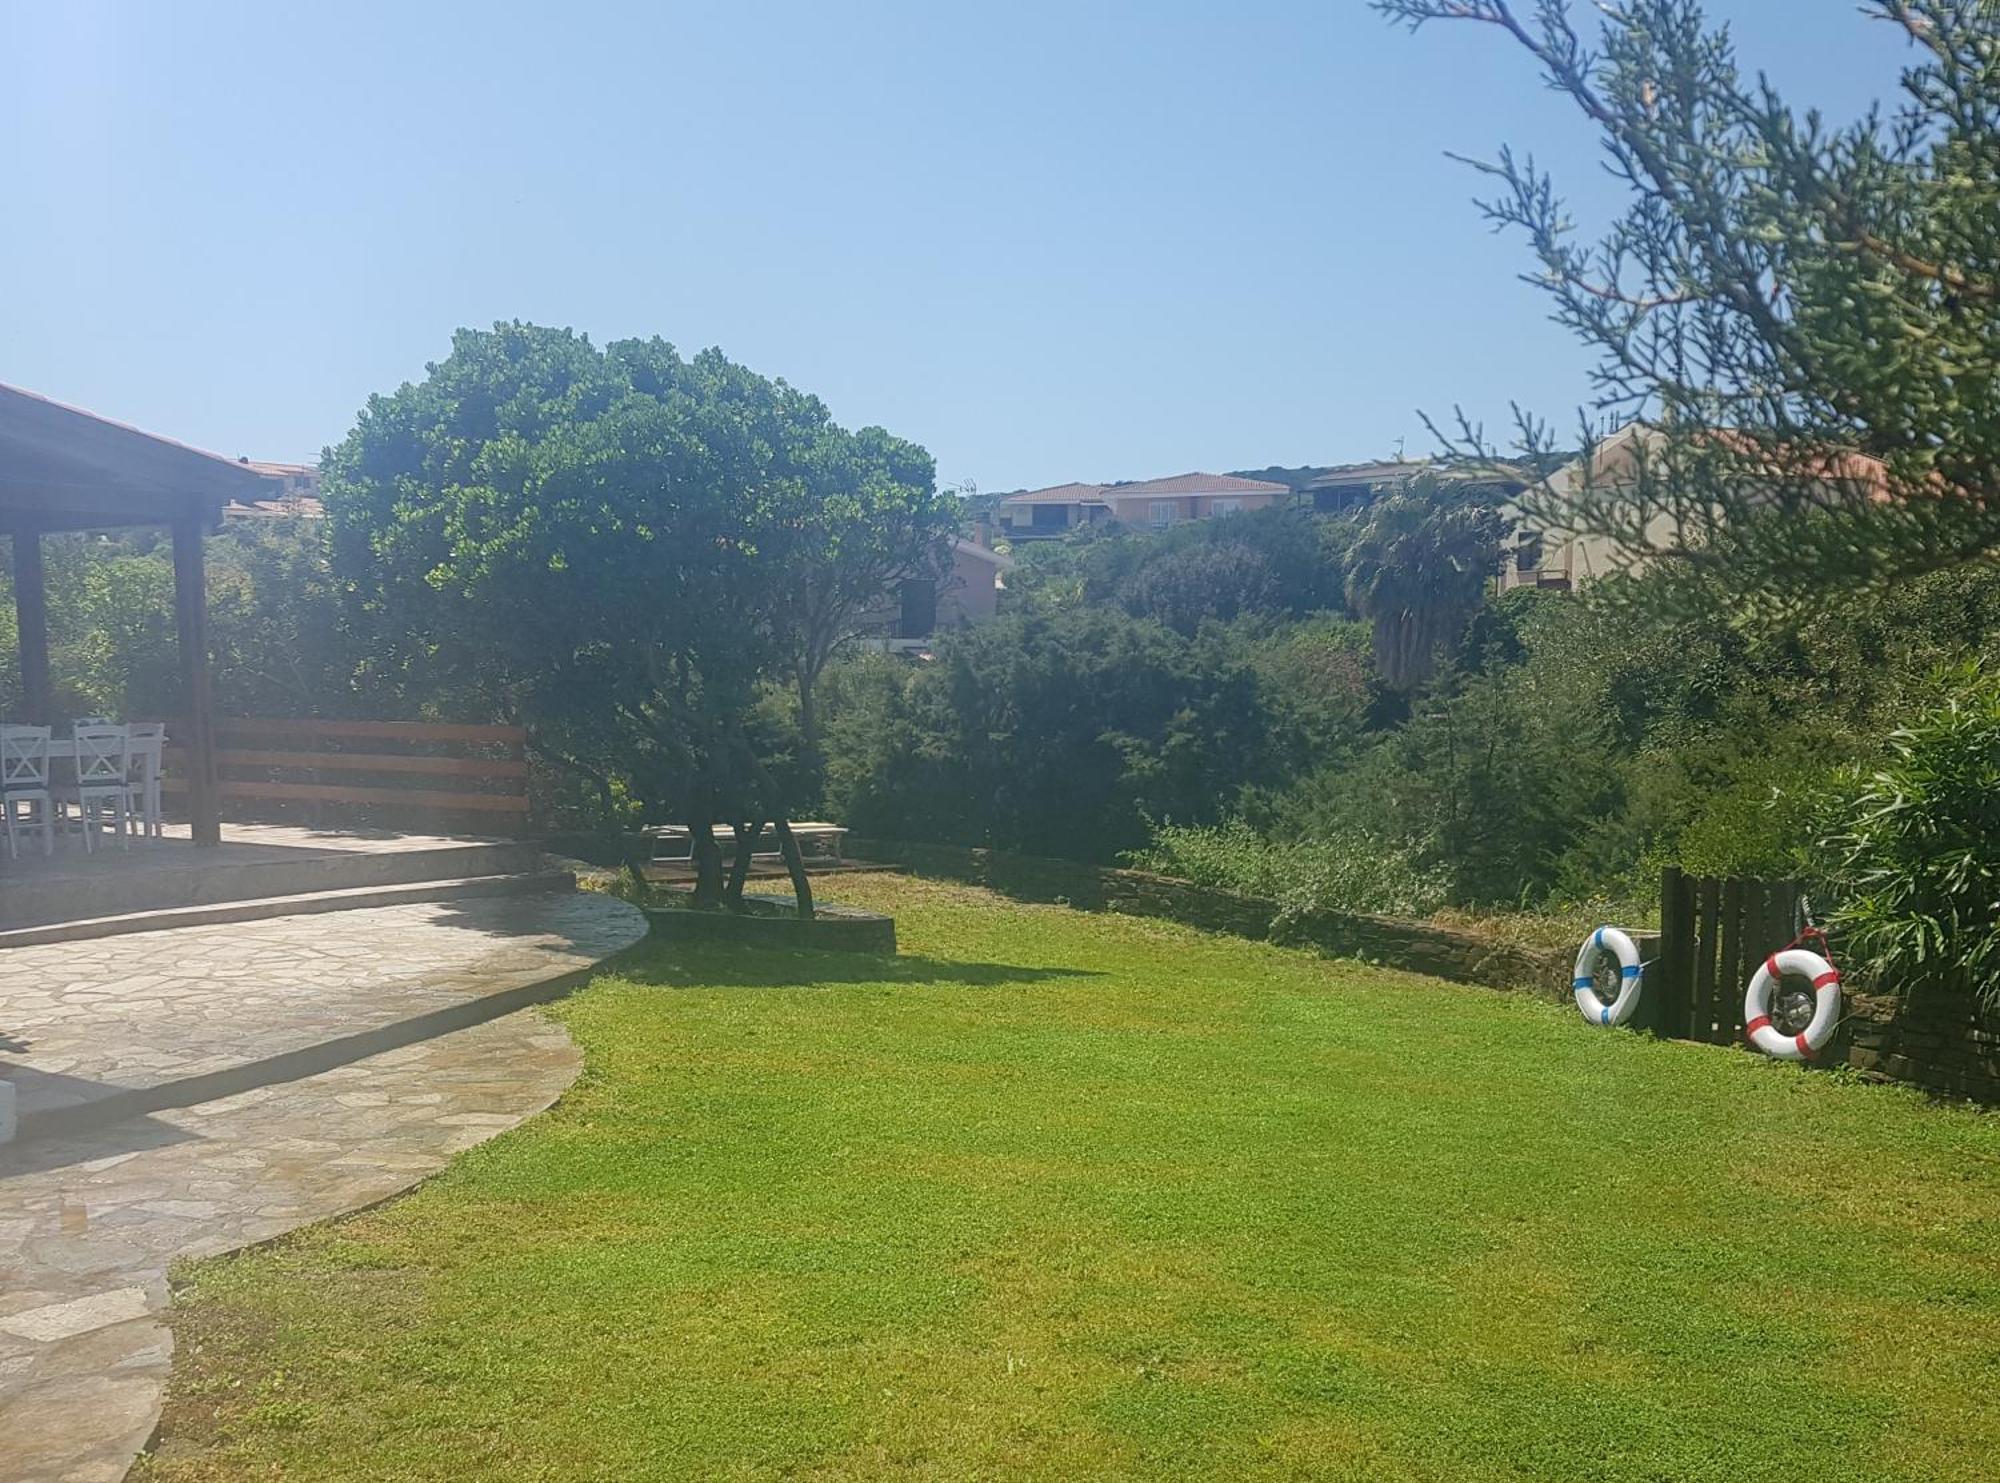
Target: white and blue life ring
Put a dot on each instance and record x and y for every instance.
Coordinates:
(1584, 980)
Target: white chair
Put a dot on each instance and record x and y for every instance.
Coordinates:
(24, 785)
(149, 740)
(103, 787)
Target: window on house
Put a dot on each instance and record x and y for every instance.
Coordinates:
(918, 619)
(1528, 554)
(1334, 498)
(1160, 513)
(1046, 515)
(1225, 506)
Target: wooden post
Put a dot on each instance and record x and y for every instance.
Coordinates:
(191, 630)
(31, 617)
(1708, 952)
(1738, 923)
(1671, 998)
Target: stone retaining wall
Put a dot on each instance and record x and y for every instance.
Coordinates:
(1951, 1049)
(772, 921)
(1416, 946)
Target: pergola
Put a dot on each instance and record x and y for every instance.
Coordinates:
(63, 469)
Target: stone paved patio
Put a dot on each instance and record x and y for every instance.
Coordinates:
(90, 1222)
(85, 1021)
(295, 1068)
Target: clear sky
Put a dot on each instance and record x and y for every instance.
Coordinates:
(1050, 241)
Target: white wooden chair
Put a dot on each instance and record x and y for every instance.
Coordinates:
(149, 740)
(103, 790)
(24, 785)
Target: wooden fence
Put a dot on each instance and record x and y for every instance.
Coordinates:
(1713, 934)
(384, 770)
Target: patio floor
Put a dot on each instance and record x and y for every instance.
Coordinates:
(164, 1018)
(189, 1091)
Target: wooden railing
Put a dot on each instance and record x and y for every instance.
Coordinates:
(387, 767)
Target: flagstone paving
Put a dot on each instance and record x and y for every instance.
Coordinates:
(90, 1219)
(90, 1222)
(85, 1021)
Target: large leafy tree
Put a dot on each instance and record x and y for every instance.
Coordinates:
(1804, 314)
(611, 545)
(867, 525)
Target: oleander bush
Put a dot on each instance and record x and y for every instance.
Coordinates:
(1920, 849)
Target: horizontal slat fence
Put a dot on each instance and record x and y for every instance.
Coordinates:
(1713, 934)
(389, 770)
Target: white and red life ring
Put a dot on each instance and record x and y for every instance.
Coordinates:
(1583, 981)
(1757, 1026)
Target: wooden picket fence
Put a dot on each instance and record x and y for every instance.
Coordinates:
(395, 773)
(1713, 934)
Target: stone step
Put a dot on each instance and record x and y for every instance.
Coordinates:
(185, 1017)
(33, 899)
(307, 903)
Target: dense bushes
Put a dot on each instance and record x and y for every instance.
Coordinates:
(1347, 872)
(1277, 563)
(274, 625)
(1568, 748)
(1920, 849)
(1054, 733)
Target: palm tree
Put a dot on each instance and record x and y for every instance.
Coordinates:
(1419, 571)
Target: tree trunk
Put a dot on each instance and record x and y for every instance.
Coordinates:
(739, 872)
(812, 763)
(636, 850)
(795, 864)
(707, 861)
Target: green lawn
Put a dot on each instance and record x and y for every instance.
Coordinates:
(1076, 1196)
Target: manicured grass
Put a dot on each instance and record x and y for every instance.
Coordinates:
(1073, 1196)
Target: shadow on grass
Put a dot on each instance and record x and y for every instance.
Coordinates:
(667, 965)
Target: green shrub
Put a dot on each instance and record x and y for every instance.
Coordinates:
(1920, 852)
(1351, 872)
(1054, 732)
(1760, 824)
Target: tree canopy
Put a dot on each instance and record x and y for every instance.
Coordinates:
(622, 548)
(1804, 312)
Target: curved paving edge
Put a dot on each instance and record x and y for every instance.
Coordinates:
(90, 1220)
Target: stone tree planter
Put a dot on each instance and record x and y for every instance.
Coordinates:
(771, 921)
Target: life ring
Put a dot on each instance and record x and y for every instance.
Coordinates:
(1757, 1024)
(1583, 981)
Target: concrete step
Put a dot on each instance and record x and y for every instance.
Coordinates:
(304, 903)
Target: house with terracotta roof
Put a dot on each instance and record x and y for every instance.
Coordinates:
(1355, 486)
(1155, 504)
(294, 493)
(1550, 553)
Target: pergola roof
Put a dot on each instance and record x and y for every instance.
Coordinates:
(62, 468)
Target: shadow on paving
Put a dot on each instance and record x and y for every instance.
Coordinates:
(665, 966)
(131, 1135)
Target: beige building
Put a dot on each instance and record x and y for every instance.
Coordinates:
(294, 493)
(1549, 554)
(1149, 504)
(969, 593)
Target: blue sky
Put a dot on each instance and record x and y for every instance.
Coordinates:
(1049, 241)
